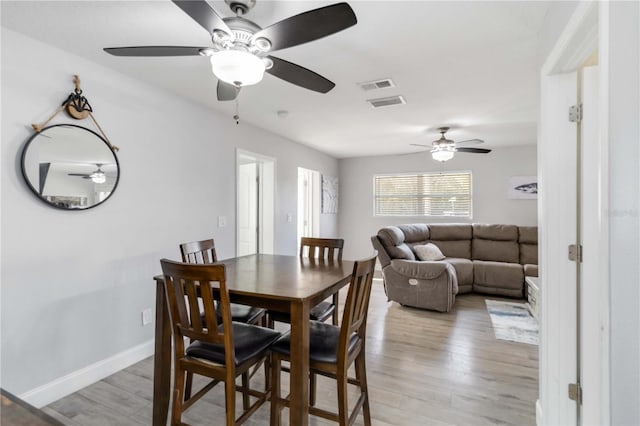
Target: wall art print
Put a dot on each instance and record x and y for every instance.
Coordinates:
(523, 188)
(329, 194)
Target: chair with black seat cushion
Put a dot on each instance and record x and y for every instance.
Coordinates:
(220, 348)
(204, 252)
(332, 350)
(323, 249)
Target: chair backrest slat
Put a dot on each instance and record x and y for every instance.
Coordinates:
(321, 248)
(185, 284)
(201, 252)
(356, 307)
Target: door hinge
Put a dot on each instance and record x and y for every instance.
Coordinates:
(575, 113)
(575, 253)
(575, 392)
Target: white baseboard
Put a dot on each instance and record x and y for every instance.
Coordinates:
(72, 382)
(539, 417)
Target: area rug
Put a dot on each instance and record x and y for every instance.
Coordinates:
(513, 321)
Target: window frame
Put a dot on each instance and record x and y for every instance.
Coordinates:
(391, 174)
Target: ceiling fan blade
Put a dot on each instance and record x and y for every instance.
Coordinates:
(226, 91)
(203, 14)
(420, 145)
(78, 174)
(474, 150)
(154, 51)
(308, 26)
(470, 142)
(299, 76)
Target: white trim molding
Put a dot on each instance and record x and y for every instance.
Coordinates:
(72, 382)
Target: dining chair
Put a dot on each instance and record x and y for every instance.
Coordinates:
(204, 252)
(332, 350)
(220, 349)
(324, 249)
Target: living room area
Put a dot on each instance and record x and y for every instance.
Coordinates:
(77, 286)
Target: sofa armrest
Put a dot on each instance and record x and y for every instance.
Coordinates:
(424, 270)
(383, 256)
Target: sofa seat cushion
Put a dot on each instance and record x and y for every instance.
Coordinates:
(464, 272)
(489, 275)
(530, 270)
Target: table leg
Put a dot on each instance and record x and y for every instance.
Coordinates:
(162, 359)
(299, 374)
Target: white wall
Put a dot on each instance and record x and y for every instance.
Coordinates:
(74, 283)
(490, 173)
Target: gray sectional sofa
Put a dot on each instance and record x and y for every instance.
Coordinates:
(489, 259)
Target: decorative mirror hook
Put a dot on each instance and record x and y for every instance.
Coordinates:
(78, 107)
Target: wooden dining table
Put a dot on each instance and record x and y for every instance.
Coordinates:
(280, 283)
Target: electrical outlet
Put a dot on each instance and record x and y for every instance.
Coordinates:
(146, 316)
(289, 217)
(222, 221)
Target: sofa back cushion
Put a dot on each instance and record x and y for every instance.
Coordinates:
(498, 243)
(453, 239)
(392, 239)
(528, 240)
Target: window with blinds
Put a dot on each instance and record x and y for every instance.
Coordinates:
(423, 194)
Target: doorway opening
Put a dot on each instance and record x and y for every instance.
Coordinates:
(308, 203)
(255, 203)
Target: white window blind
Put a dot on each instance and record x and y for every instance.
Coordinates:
(423, 194)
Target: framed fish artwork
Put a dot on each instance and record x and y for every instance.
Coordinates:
(523, 188)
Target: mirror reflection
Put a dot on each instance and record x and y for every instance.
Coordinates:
(70, 167)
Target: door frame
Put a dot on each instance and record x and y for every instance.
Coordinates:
(587, 31)
(266, 199)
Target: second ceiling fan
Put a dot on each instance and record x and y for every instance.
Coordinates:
(443, 149)
(241, 51)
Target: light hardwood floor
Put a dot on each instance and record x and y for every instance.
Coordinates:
(424, 368)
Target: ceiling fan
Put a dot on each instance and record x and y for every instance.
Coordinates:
(97, 176)
(443, 148)
(241, 50)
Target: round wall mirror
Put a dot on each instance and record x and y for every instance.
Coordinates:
(70, 167)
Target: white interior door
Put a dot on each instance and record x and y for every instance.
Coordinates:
(558, 228)
(255, 187)
(247, 209)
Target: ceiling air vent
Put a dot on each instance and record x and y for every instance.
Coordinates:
(382, 102)
(377, 84)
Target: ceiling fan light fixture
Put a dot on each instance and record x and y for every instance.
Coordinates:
(98, 177)
(237, 67)
(442, 155)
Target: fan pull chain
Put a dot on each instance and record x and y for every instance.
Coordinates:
(237, 115)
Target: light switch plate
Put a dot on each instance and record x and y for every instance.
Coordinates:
(147, 316)
(222, 221)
